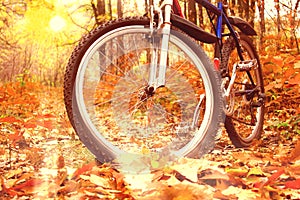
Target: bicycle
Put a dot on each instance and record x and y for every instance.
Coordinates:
(141, 86)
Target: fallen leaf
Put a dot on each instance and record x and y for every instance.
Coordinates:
(100, 181)
(18, 139)
(69, 186)
(45, 116)
(295, 184)
(240, 193)
(273, 177)
(295, 153)
(29, 186)
(240, 172)
(214, 178)
(212, 174)
(61, 177)
(10, 120)
(12, 173)
(192, 165)
(256, 171)
(139, 181)
(83, 169)
(60, 162)
(30, 125)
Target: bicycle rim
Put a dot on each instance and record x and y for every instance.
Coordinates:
(245, 118)
(111, 98)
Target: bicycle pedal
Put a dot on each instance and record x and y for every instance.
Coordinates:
(246, 65)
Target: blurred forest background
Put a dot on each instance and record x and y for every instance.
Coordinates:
(37, 36)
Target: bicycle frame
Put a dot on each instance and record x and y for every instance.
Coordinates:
(221, 19)
(164, 27)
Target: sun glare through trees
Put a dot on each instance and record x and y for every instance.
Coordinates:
(57, 23)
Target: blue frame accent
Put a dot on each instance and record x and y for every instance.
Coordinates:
(220, 20)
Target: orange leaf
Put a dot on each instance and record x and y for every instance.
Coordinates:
(295, 184)
(28, 185)
(289, 60)
(274, 176)
(10, 91)
(48, 125)
(60, 162)
(46, 116)
(30, 125)
(17, 136)
(83, 169)
(295, 152)
(278, 61)
(5, 190)
(295, 80)
(289, 72)
(45, 124)
(10, 120)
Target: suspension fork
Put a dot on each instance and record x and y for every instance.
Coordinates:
(159, 56)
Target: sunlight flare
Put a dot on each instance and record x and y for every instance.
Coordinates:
(57, 23)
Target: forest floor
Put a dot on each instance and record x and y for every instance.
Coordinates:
(42, 158)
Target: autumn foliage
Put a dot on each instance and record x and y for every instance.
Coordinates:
(42, 158)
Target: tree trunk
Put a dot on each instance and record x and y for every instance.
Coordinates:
(261, 8)
(201, 18)
(146, 6)
(262, 24)
(99, 11)
(247, 10)
(277, 6)
(120, 8)
(240, 9)
(252, 12)
(101, 7)
(185, 9)
(232, 7)
(110, 9)
(192, 11)
(295, 26)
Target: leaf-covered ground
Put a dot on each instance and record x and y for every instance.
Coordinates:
(42, 158)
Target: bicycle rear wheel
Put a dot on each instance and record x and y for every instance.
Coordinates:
(245, 105)
(115, 113)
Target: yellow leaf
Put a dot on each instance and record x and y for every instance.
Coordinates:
(84, 177)
(237, 172)
(97, 180)
(188, 168)
(297, 65)
(240, 193)
(255, 171)
(139, 181)
(13, 173)
(185, 191)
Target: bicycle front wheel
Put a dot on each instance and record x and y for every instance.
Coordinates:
(245, 104)
(111, 108)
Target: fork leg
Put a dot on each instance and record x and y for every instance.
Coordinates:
(165, 30)
(161, 36)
